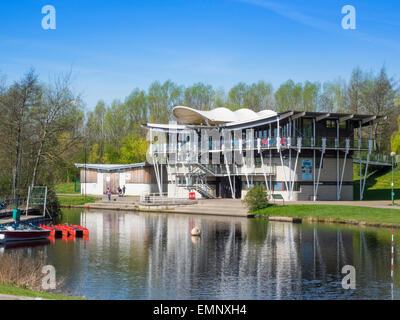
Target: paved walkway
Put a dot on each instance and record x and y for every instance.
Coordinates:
(116, 203)
(221, 207)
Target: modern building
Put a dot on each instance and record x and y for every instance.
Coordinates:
(300, 155)
(138, 178)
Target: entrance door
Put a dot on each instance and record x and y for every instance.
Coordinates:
(223, 187)
(238, 187)
(111, 180)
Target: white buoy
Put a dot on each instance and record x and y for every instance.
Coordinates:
(195, 232)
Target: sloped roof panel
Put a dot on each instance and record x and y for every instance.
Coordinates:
(217, 116)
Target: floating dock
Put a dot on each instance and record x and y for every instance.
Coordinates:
(35, 219)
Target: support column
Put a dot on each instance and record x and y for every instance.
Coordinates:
(270, 165)
(320, 165)
(344, 166)
(313, 145)
(295, 165)
(283, 169)
(314, 195)
(265, 175)
(279, 145)
(359, 152)
(337, 160)
(228, 172)
(290, 170)
(366, 168)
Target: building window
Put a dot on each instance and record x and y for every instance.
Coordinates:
(278, 186)
(307, 127)
(331, 124)
(296, 186)
(343, 125)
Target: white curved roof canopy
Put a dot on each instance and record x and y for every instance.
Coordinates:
(218, 116)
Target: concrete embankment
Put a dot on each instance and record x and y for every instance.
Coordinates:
(284, 219)
(217, 207)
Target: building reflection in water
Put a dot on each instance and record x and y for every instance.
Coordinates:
(153, 256)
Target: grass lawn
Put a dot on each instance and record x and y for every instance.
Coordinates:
(17, 291)
(379, 183)
(383, 217)
(67, 188)
(75, 200)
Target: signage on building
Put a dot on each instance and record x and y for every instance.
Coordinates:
(306, 169)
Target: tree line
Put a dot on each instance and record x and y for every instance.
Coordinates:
(364, 93)
(47, 126)
(41, 131)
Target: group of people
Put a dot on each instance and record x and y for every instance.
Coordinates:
(121, 192)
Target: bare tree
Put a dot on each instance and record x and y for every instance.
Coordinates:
(378, 98)
(16, 106)
(52, 116)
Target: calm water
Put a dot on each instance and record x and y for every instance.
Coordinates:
(153, 256)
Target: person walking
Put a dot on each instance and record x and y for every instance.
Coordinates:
(109, 193)
(123, 191)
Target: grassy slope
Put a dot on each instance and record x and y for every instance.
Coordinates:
(66, 188)
(16, 291)
(378, 185)
(75, 200)
(336, 213)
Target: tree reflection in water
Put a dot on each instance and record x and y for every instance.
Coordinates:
(153, 256)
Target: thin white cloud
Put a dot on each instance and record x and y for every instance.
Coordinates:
(297, 16)
(293, 14)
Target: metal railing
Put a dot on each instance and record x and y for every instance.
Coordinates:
(267, 143)
(7, 204)
(205, 190)
(199, 170)
(160, 199)
(376, 157)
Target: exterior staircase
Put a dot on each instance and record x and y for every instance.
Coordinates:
(204, 190)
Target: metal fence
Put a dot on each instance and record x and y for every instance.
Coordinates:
(7, 204)
(161, 199)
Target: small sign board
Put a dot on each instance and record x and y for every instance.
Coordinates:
(306, 169)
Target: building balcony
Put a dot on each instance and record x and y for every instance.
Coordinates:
(270, 143)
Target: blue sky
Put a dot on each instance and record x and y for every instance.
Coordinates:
(114, 46)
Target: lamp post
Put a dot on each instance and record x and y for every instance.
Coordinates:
(392, 154)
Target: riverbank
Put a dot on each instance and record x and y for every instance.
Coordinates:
(367, 216)
(373, 213)
(69, 201)
(216, 207)
(11, 292)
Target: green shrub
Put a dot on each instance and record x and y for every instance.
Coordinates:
(53, 205)
(256, 198)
